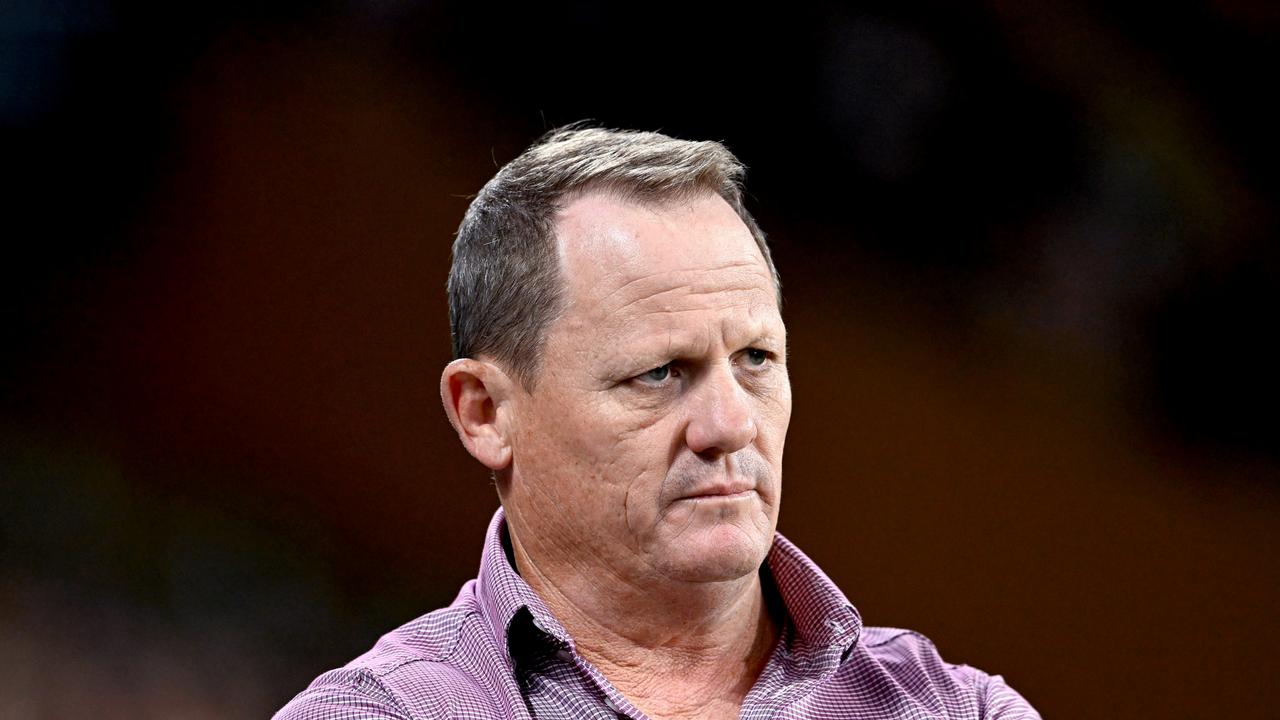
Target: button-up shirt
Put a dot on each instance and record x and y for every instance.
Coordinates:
(498, 652)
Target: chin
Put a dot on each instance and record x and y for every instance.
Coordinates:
(721, 552)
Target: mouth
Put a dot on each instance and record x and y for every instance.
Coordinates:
(723, 491)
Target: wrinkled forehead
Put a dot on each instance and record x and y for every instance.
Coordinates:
(622, 258)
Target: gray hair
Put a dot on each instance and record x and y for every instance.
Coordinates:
(505, 288)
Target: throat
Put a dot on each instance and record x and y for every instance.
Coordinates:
(696, 677)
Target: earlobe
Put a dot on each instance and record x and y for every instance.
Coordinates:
(475, 394)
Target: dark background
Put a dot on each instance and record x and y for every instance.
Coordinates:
(1028, 250)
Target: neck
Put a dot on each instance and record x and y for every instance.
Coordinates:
(673, 648)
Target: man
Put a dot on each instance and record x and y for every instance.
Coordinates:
(621, 370)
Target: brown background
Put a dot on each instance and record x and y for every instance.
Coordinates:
(1028, 256)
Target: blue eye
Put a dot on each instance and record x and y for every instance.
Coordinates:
(756, 356)
(658, 374)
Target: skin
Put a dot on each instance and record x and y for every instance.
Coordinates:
(642, 476)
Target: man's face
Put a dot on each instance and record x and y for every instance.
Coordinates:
(651, 447)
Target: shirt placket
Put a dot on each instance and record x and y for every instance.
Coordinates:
(599, 699)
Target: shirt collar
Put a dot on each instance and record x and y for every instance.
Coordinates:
(503, 594)
(822, 616)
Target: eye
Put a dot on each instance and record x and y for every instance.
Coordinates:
(656, 375)
(757, 357)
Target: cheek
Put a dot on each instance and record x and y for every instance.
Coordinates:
(609, 466)
(775, 416)
(627, 456)
(589, 437)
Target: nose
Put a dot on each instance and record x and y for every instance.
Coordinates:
(721, 418)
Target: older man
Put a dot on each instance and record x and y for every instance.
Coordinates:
(621, 369)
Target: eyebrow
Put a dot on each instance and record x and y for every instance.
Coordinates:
(630, 353)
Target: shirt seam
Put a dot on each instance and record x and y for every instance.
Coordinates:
(457, 635)
(899, 634)
(376, 678)
(434, 657)
(440, 655)
(974, 679)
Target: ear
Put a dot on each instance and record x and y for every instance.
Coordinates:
(475, 394)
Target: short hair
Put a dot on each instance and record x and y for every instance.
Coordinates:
(505, 287)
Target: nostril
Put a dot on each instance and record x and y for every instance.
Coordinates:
(710, 453)
(722, 419)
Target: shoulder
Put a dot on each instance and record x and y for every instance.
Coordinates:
(415, 671)
(422, 689)
(912, 659)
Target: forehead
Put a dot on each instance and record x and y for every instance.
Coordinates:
(621, 259)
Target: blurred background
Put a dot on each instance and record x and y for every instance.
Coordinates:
(1030, 263)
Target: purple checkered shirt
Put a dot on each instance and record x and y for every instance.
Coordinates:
(498, 652)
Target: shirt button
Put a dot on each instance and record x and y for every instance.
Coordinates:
(565, 655)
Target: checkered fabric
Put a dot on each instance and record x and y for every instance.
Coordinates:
(498, 652)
